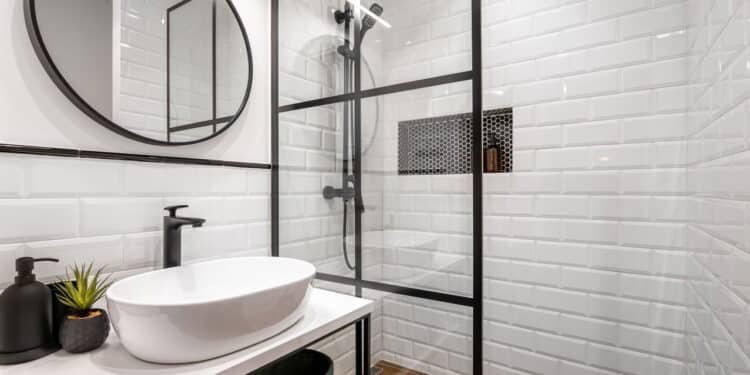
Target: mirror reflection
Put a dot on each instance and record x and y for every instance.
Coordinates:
(160, 71)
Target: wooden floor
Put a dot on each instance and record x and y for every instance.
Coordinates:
(394, 369)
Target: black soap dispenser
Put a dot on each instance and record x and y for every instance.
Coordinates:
(26, 316)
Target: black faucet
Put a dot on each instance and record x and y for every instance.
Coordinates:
(173, 235)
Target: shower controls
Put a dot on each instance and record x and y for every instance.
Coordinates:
(342, 16)
(352, 125)
(347, 193)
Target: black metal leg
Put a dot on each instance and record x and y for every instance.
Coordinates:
(366, 349)
(360, 350)
(363, 346)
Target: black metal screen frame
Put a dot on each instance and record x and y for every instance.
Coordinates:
(475, 76)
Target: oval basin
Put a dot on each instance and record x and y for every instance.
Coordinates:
(205, 310)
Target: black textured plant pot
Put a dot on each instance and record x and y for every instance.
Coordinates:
(83, 335)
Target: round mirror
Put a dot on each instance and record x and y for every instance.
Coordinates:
(167, 72)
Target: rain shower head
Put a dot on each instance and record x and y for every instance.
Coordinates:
(371, 17)
(368, 22)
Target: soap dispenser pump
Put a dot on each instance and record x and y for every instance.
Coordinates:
(26, 316)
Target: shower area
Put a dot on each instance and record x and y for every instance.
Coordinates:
(608, 234)
(349, 82)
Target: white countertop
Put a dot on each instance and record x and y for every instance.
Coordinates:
(326, 312)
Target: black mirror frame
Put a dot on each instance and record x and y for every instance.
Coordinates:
(32, 27)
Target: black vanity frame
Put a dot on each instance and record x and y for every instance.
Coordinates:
(32, 27)
(475, 76)
(363, 322)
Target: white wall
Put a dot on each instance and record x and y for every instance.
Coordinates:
(585, 258)
(717, 234)
(35, 112)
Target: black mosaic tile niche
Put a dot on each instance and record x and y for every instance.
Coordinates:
(442, 145)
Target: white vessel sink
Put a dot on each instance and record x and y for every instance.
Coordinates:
(205, 310)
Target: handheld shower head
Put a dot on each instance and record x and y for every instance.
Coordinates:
(368, 22)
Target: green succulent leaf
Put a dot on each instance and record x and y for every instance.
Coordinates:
(82, 291)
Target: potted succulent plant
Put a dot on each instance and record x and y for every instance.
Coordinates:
(83, 328)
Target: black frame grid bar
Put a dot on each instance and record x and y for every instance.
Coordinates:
(475, 76)
(398, 289)
(363, 330)
(380, 91)
(274, 128)
(169, 73)
(213, 65)
(477, 184)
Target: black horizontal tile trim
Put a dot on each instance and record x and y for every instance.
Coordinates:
(240, 164)
(401, 290)
(34, 150)
(118, 156)
(385, 90)
(65, 152)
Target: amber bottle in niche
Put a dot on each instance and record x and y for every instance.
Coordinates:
(492, 154)
(500, 154)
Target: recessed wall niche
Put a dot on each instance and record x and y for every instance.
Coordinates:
(442, 145)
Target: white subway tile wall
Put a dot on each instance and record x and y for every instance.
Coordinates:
(717, 207)
(585, 256)
(110, 212)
